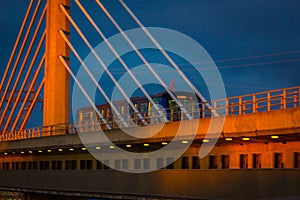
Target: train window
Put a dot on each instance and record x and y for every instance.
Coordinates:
(185, 162)
(117, 164)
(175, 111)
(149, 107)
(213, 164)
(125, 164)
(297, 159)
(243, 161)
(195, 162)
(170, 162)
(278, 160)
(86, 116)
(122, 110)
(93, 115)
(137, 164)
(23, 165)
(159, 163)
(80, 116)
(256, 160)
(146, 163)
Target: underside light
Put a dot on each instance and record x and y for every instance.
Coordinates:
(40, 151)
(128, 145)
(83, 149)
(49, 150)
(146, 145)
(13, 152)
(111, 147)
(246, 138)
(29, 151)
(5, 153)
(205, 140)
(22, 152)
(164, 143)
(274, 136)
(184, 142)
(98, 148)
(60, 149)
(71, 149)
(228, 139)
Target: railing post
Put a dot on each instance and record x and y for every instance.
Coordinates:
(215, 106)
(253, 104)
(284, 99)
(268, 101)
(240, 106)
(295, 98)
(226, 107)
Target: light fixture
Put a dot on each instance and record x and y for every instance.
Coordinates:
(146, 145)
(29, 151)
(205, 140)
(164, 143)
(22, 152)
(49, 150)
(40, 151)
(184, 142)
(111, 147)
(98, 148)
(83, 149)
(128, 145)
(13, 152)
(246, 139)
(71, 149)
(5, 153)
(228, 139)
(60, 149)
(274, 136)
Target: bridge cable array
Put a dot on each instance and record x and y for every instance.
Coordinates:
(19, 81)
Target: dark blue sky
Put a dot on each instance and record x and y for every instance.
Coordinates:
(227, 29)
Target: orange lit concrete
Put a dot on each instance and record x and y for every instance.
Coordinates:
(56, 90)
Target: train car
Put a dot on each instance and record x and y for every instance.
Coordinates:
(87, 117)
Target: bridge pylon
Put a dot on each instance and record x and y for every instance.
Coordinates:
(57, 83)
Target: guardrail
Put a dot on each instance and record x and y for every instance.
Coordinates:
(238, 105)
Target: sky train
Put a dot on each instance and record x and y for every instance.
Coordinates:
(170, 110)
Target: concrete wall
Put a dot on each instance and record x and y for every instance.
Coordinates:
(205, 184)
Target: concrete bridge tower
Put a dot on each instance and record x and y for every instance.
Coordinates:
(57, 86)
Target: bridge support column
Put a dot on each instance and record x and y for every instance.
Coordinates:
(57, 86)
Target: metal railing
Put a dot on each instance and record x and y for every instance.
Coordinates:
(238, 105)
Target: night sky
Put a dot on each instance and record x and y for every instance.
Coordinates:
(255, 44)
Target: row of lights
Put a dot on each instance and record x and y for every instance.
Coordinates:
(145, 145)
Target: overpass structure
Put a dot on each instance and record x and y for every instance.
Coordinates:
(255, 154)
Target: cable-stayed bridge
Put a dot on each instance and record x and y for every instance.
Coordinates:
(258, 130)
